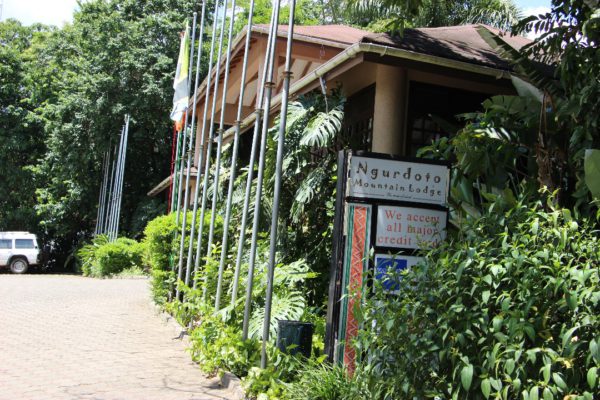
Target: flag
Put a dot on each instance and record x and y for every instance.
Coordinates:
(181, 97)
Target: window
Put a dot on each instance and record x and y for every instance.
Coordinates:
(5, 244)
(358, 119)
(24, 244)
(433, 109)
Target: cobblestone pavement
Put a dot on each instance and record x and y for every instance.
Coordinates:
(69, 337)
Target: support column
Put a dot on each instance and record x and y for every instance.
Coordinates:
(390, 106)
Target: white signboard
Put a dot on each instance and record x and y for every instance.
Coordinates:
(409, 228)
(398, 180)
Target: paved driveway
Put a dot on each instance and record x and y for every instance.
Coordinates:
(68, 337)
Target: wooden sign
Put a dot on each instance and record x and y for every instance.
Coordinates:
(389, 179)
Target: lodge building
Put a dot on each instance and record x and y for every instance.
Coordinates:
(398, 88)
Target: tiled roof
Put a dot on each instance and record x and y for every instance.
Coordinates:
(334, 33)
(461, 43)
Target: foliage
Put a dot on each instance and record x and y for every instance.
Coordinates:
(64, 93)
(218, 346)
(162, 240)
(102, 258)
(20, 127)
(560, 123)
(86, 255)
(386, 15)
(508, 308)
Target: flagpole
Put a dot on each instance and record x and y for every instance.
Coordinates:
(209, 147)
(218, 163)
(175, 170)
(217, 70)
(177, 115)
(124, 156)
(234, 156)
(188, 266)
(110, 193)
(277, 192)
(189, 167)
(268, 87)
(100, 214)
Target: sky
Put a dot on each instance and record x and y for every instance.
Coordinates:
(57, 12)
(50, 12)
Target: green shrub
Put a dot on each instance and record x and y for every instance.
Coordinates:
(86, 255)
(162, 244)
(103, 258)
(507, 310)
(117, 256)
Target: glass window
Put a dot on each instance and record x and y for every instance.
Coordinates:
(24, 244)
(5, 244)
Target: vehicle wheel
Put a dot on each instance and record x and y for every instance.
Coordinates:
(19, 265)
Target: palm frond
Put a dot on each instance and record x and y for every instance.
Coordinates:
(523, 65)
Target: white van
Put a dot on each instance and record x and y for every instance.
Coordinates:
(18, 250)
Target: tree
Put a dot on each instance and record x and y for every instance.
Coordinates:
(397, 14)
(21, 130)
(64, 94)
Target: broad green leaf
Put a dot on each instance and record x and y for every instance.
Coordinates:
(534, 393)
(466, 376)
(547, 394)
(592, 171)
(486, 388)
(559, 381)
(592, 377)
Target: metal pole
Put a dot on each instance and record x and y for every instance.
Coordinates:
(175, 172)
(220, 130)
(234, 156)
(268, 84)
(189, 166)
(278, 167)
(185, 132)
(115, 188)
(210, 141)
(120, 198)
(117, 184)
(218, 163)
(188, 266)
(110, 193)
(201, 150)
(101, 200)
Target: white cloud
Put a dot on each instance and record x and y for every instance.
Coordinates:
(50, 12)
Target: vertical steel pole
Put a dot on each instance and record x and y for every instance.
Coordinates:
(250, 177)
(268, 84)
(100, 215)
(120, 198)
(220, 131)
(186, 133)
(175, 172)
(217, 70)
(188, 266)
(276, 195)
(110, 193)
(117, 185)
(201, 149)
(218, 162)
(234, 156)
(115, 188)
(188, 164)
